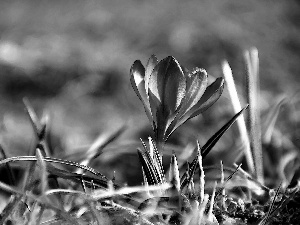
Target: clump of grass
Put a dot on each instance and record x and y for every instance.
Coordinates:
(52, 193)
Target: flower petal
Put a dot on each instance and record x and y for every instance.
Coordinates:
(166, 91)
(196, 82)
(137, 72)
(152, 62)
(210, 96)
(167, 84)
(175, 86)
(195, 86)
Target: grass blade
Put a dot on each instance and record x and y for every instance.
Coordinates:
(101, 142)
(35, 122)
(215, 138)
(223, 204)
(264, 221)
(271, 120)
(231, 87)
(157, 159)
(192, 169)
(174, 173)
(42, 164)
(10, 207)
(147, 168)
(211, 206)
(11, 175)
(251, 58)
(201, 176)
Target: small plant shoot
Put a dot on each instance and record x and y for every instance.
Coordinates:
(181, 187)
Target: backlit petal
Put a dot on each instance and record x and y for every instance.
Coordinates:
(166, 91)
(209, 97)
(196, 82)
(167, 83)
(152, 62)
(195, 86)
(137, 72)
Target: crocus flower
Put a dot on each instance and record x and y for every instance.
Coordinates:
(171, 94)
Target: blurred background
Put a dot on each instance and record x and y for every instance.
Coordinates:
(72, 58)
